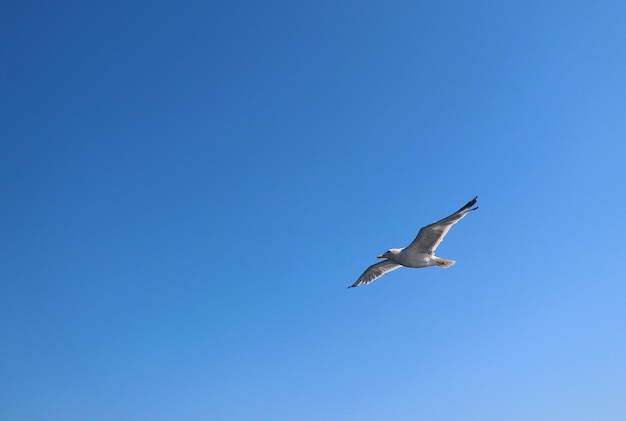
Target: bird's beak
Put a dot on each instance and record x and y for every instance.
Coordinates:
(380, 256)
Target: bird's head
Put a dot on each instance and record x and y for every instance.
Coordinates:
(389, 254)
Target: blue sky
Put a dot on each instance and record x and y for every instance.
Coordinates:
(188, 188)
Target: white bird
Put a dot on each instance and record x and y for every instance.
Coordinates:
(421, 252)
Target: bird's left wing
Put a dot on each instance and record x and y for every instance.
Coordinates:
(375, 271)
(430, 236)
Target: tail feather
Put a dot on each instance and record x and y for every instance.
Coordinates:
(444, 263)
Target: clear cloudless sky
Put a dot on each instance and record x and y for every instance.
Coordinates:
(187, 189)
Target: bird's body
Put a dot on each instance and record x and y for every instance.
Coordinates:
(419, 260)
(421, 252)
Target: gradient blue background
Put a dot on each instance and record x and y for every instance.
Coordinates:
(188, 188)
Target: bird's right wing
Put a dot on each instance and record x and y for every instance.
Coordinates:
(375, 271)
(430, 236)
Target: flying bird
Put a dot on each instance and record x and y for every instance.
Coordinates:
(421, 252)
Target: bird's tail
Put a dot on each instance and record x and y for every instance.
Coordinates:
(443, 263)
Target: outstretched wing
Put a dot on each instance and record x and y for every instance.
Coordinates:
(430, 236)
(375, 271)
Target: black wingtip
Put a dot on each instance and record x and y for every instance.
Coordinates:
(469, 205)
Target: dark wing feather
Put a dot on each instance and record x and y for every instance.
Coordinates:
(430, 236)
(375, 271)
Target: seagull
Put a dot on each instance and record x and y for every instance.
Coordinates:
(421, 252)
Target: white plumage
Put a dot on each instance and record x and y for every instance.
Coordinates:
(421, 252)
